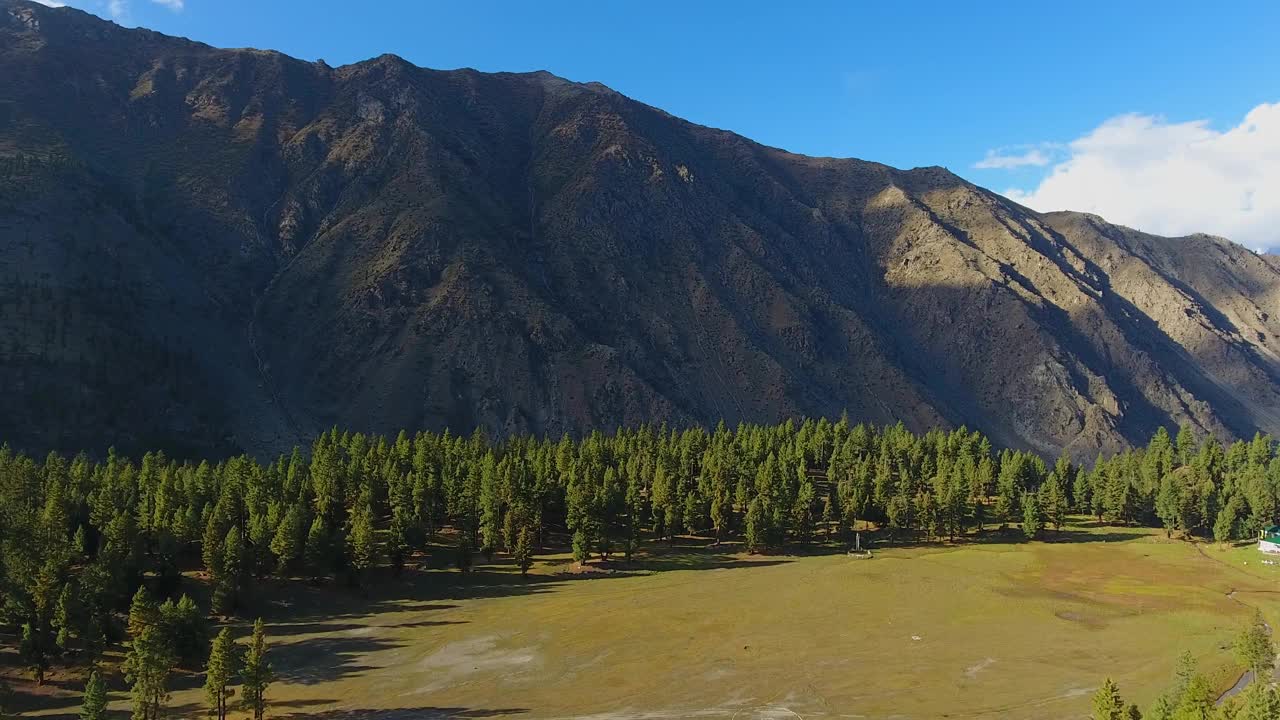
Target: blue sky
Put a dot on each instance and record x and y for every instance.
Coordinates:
(907, 84)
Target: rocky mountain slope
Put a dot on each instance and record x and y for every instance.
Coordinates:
(209, 250)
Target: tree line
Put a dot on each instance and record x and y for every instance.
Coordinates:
(79, 536)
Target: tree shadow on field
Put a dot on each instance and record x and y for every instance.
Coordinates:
(289, 629)
(320, 660)
(1011, 536)
(1067, 535)
(420, 713)
(71, 711)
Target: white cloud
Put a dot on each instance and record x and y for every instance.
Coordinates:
(1173, 178)
(1015, 157)
(174, 5)
(51, 3)
(118, 8)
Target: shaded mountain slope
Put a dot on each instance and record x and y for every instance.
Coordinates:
(213, 249)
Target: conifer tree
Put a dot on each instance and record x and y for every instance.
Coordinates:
(1053, 501)
(398, 542)
(523, 551)
(289, 539)
(67, 617)
(212, 544)
(319, 548)
(1032, 518)
(581, 545)
(94, 704)
(257, 672)
(150, 658)
(1254, 649)
(223, 666)
(34, 654)
(757, 530)
(1261, 702)
(1197, 702)
(187, 630)
(226, 588)
(1107, 703)
(361, 541)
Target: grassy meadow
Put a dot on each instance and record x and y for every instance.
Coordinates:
(972, 630)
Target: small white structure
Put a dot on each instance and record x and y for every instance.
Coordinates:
(1269, 542)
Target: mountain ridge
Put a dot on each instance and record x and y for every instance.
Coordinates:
(292, 245)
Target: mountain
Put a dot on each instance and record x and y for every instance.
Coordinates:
(210, 250)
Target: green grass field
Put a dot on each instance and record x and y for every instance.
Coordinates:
(974, 630)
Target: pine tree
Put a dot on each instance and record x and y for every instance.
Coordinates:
(1008, 488)
(1107, 703)
(257, 672)
(757, 530)
(66, 618)
(150, 658)
(227, 583)
(1032, 518)
(1197, 701)
(1082, 492)
(361, 541)
(211, 546)
(1053, 501)
(94, 704)
(34, 654)
(581, 545)
(830, 513)
(187, 630)
(223, 666)
(288, 541)
(1225, 527)
(1261, 702)
(523, 551)
(1254, 649)
(319, 549)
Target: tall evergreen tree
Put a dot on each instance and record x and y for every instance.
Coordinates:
(362, 548)
(257, 672)
(226, 588)
(94, 704)
(34, 652)
(1107, 703)
(1032, 517)
(757, 530)
(150, 658)
(1261, 702)
(289, 539)
(223, 666)
(1053, 501)
(187, 630)
(1254, 649)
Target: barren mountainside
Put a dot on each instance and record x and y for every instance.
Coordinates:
(209, 250)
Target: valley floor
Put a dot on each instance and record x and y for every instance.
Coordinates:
(971, 630)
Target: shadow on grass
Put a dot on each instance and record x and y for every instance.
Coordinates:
(1006, 536)
(288, 629)
(294, 607)
(420, 713)
(321, 660)
(290, 607)
(66, 711)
